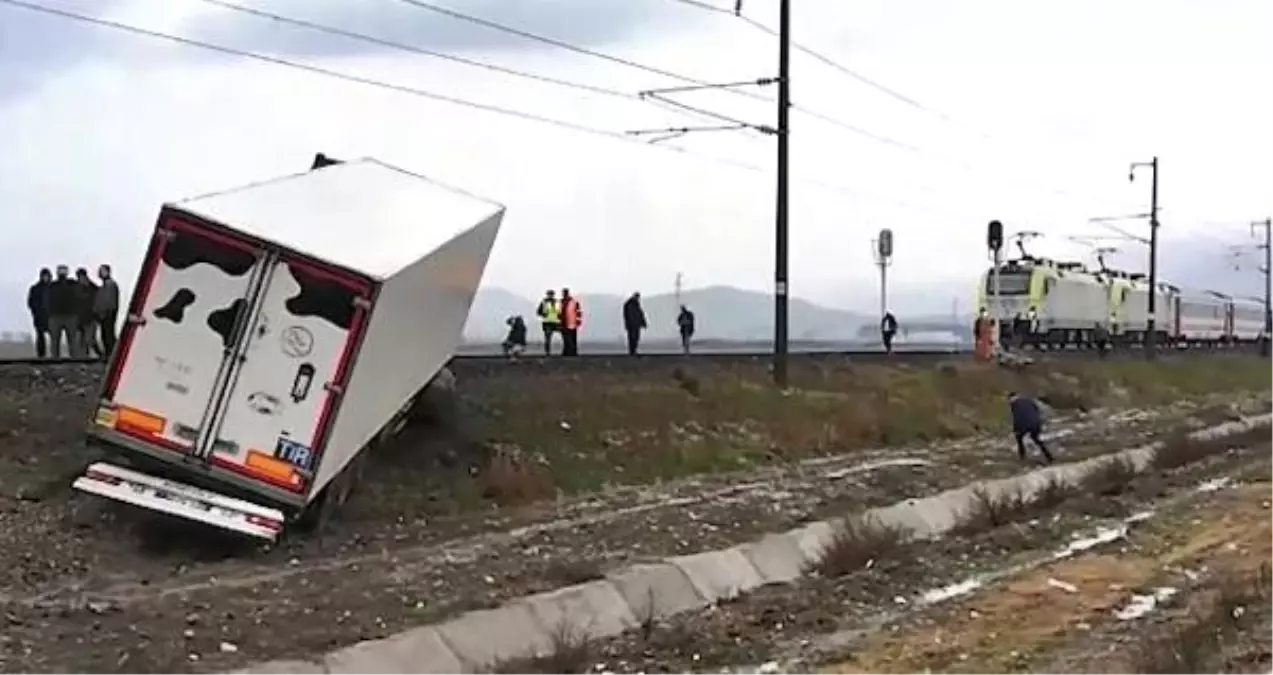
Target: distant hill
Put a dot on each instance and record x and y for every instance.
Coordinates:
(721, 312)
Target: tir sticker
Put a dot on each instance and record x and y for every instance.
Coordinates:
(264, 403)
(294, 453)
(297, 341)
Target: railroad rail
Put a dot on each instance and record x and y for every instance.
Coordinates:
(618, 356)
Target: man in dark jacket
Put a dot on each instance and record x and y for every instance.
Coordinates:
(633, 322)
(888, 329)
(515, 341)
(64, 313)
(86, 323)
(38, 304)
(1027, 420)
(685, 324)
(106, 309)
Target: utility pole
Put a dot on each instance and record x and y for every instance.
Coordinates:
(1151, 328)
(679, 278)
(782, 131)
(780, 200)
(1267, 224)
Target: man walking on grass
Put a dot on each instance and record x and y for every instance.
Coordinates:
(1027, 420)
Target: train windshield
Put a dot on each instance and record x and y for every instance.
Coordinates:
(1010, 283)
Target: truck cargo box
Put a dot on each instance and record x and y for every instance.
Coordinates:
(274, 330)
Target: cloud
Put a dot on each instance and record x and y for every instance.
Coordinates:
(100, 137)
(587, 23)
(35, 46)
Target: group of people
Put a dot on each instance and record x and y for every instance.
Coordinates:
(564, 316)
(76, 311)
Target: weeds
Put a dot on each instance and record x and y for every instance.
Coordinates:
(857, 541)
(988, 510)
(830, 407)
(1110, 477)
(1182, 450)
(509, 480)
(569, 651)
(1196, 646)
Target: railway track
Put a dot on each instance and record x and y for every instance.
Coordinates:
(617, 358)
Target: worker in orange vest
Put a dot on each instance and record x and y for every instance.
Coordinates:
(571, 315)
(982, 337)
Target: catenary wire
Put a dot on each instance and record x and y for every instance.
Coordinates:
(443, 98)
(880, 87)
(421, 51)
(815, 114)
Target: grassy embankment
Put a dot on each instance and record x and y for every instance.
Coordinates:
(570, 432)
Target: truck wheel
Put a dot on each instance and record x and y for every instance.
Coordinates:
(436, 404)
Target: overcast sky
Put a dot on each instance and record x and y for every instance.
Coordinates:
(1026, 111)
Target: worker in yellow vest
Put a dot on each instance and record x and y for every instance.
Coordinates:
(549, 313)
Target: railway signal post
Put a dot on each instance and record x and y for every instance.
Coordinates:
(1267, 224)
(883, 246)
(1151, 329)
(994, 241)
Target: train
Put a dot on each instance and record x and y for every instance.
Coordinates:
(1066, 304)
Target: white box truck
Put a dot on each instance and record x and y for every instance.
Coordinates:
(275, 332)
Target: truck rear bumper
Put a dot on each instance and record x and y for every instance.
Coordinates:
(181, 500)
(190, 470)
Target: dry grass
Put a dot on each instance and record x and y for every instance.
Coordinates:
(510, 480)
(1110, 477)
(1182, 450)
(570, 651)
(613, 425)
(858, 541)
(989, 510)
(1196, 646)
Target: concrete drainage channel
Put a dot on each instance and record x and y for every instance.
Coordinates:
(478, 640)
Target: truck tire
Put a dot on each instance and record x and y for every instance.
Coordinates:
(437, 405)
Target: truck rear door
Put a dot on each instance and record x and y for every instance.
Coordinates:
(174, 351)
(293, 363)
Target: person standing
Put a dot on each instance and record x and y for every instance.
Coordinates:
(1027, 420)
(888, 329)
(633, 322)
(571, 320)
(63, 313)
(685, 324)
(549, 312)
(38, 304)
(86, 322)
(106, 309)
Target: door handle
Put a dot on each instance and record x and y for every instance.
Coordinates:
(302, 383)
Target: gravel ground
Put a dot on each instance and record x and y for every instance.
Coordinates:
(874, 620)
(89, 587)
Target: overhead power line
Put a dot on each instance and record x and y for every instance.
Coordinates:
(653, 70)
(444, 98)
(420, 51)
(828, 61)
(400, 46)
(686, 109)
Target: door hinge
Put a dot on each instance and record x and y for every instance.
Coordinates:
(334, 387)
(361, 302)
(165, 234)
(137, 319)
